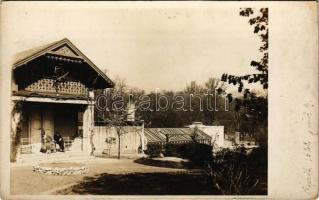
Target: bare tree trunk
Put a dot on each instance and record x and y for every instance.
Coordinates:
(92, 144)
(119, 147)
(213, 116)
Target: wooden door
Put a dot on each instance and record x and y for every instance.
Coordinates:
(41, 118)
(48, 122)
(35, 125)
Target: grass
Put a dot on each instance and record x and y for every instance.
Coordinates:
(120, 177)
(176, 183)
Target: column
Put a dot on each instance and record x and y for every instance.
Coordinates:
(88, 128)
(16, 116)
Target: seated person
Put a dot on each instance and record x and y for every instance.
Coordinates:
(47, 145)
(59, 140)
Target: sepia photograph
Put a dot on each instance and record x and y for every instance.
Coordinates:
(120, 99)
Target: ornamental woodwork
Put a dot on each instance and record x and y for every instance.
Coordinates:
(66, 51)
(67, 87)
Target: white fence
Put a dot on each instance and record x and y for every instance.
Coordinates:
(106, 139)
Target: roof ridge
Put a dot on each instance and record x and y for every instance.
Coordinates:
(30, 54)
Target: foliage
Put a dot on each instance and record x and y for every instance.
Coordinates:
(110, 141)
(239, 169)
(154, 150)
(164, 163)
(172, 117)
(259, 21)
(214, 115)
(195, 152)
(258, 157)
(115, 116)
(15, 145)
(250, 114)
(16, 123)
(200, 106)
(249, 111)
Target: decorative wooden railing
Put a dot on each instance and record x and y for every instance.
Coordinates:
(26, 145)
(67, 87)
(67, 143)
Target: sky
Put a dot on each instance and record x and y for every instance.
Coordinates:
(151, 45)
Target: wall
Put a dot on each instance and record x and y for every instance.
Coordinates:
(130, 141)
(216, 132)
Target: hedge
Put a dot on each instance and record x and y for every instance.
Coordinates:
(196, 152)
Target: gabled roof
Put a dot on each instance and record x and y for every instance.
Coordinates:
(158, 135)
(62, 47)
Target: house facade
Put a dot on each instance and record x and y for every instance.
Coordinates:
(53, 90)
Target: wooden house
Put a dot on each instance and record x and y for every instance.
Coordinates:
(54, 87)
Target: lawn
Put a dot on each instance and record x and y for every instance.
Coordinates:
(25, 181)
(115, 177)
(164, 183)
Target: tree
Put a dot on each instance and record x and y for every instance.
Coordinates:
(193, 88)
(117, 111)
(118, 121)
(212, 86)
(250, 105)
(114, 114)
(259, 21)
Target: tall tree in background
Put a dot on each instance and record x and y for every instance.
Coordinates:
(211, 86)
(253, 107)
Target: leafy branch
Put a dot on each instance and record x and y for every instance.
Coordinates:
(259, 21)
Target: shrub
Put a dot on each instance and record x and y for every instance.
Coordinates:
(163, 163)
(240, 169)
(154, 150)
(258, 157)
(195, 152)
(198, 153)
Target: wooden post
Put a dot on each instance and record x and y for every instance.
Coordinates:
(237, 137)
(143, 138)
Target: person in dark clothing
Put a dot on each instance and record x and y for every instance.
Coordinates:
(59, 140)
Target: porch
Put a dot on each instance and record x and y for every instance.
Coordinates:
(73, 120)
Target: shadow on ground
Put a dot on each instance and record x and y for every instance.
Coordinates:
(165, 163)
(144, 184)
(175, 183)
